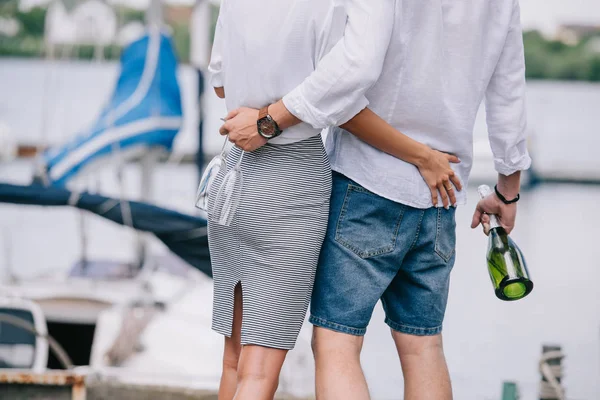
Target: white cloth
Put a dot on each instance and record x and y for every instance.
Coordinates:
(443, 58)
(263, 49)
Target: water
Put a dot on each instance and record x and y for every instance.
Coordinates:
(486, 341)
(563, 117)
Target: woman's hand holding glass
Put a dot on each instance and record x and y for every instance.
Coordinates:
(208, 177)
(228, 194)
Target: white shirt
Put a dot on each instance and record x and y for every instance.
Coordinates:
(440, 59)
(264, 49)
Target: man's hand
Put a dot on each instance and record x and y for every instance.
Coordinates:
(241, 126)
(439, 177)
(506, 213)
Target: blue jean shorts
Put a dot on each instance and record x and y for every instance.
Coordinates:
(379, 249)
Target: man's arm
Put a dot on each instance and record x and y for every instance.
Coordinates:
(507, 125)
(335, 91)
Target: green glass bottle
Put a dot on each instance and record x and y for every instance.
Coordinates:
(505, 260)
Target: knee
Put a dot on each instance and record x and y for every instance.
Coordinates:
(329, 344)
(410, 345)
(246, 375)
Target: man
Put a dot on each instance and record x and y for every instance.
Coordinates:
(426, 75)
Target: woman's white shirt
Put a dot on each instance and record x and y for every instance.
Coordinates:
(264, 49)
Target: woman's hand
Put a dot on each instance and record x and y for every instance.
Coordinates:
(241, 126)
(435, 170)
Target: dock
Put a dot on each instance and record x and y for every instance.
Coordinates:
(65, 385)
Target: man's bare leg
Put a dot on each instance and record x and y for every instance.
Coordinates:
(338, 371)
(424, 367)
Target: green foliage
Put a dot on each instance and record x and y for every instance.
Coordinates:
(545, 59)
(182, 42)
(127, 15)
(550, 59)
(21, 46)
(32, 22)
(8, 8)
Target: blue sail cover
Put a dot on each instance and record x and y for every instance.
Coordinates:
(185, 235)
(144, 112)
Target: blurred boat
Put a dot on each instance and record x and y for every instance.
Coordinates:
(144, 112)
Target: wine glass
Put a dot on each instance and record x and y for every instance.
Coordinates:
(229, 195)
(208, 177)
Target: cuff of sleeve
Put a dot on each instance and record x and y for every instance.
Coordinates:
(509, 167)
(216, 80)
(299, 106)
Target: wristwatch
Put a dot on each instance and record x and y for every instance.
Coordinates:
(267, 127)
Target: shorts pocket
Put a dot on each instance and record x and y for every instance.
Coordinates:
(368, 224)
(445, 237)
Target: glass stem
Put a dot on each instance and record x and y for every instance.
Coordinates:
(224, 145)
(239, 163)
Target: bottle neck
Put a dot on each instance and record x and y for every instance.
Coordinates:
(494, 221)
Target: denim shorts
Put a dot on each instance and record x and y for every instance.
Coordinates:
(377, 249)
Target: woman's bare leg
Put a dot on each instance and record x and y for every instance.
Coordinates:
(258, 372)
(231, 353)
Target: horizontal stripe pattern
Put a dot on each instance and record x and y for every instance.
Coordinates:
(273, 244)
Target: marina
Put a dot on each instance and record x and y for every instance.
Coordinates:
(104, 258)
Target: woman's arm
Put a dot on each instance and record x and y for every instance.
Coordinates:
(433, 165)
(220, 92)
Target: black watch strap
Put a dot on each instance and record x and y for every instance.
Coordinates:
(503, 199)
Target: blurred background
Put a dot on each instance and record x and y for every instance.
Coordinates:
(105, 98)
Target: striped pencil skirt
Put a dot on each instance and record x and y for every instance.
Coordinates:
(272, 246)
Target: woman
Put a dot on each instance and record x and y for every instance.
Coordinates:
(264, 262)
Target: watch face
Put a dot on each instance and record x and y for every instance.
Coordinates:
(267, 127)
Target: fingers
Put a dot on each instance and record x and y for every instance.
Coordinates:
(485, 219)
(447, 191)
(452, 158)
(476, 216)
(226, 128)
(456, 182)
(451, 192)
(434, 194)
(485, 222)
(233, 114)
(444, 195)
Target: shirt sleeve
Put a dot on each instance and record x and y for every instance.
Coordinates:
(215, 68)
(335, 91)
(505, 103)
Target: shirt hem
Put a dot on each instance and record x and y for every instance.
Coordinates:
(461, 200)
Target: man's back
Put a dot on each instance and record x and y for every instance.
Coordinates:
(443, 58)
